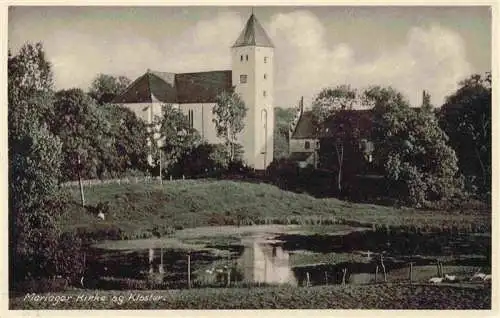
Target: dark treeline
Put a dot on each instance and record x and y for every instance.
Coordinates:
(57, 136)
(410, 155)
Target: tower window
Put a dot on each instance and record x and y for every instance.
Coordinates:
(243, 79)
(264, 93)
(191, 118)
(265, 76)
(307, 145)
(241, 58)
(246, 56)
(265, 59)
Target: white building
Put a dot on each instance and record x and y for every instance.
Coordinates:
(264, 263)
(251, 76)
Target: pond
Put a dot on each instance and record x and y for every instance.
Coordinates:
(291, 257)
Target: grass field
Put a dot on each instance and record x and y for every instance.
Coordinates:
(379, 296)
(140, 209)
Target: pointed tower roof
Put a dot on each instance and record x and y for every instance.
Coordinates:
(253, 35)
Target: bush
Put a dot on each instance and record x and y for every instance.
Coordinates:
(41, 285)
(69, 256)
(200, 161)
(99, 232)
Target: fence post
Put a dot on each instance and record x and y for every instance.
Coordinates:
(383, 268)
(189, 270)
(308, 279)
(326, 278)
(411, 273)
(344, 272)
(376, 273)
(151, 259)
(82, 195)
(160, 269)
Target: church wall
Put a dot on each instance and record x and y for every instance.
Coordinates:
(145, 111)
(257, 93)
(264, 101)
(202, 120)
(242, 66)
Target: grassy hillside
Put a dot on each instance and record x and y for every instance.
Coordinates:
(142, 208)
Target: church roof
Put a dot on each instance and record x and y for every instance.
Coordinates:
(306, 128)
(253, 35)
(153, 86)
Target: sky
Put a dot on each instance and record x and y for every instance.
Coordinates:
(408, 48)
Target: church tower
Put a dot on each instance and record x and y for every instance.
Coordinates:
(253, 77)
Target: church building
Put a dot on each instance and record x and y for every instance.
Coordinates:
(194, 94)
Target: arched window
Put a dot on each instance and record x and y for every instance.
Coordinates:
(264, 126)
(307, 145)
(191, 118)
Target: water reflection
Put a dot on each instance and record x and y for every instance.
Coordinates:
(265, 262)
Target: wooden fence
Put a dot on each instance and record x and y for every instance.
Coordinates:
(126, 180)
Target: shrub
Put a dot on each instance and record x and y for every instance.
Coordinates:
(99, 232)
(69, 256)
(42, 285)
(199, 161)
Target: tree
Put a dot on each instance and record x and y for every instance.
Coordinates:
(33, 186)
(202, 159)
(230, 112)
(30, 83)
(175, 135)
(34, 166)
(413, 149)
(426, 102)
(129, 136)
(282, 120)
(85, 133)
(106, 87)
(332, 108)
(466, 119)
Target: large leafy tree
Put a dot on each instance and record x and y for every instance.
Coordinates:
(106, 87)
(332, 109)
(30, 83)
(466, 119)
(282, 119)
(412, 148)
(175, 137)
(129, 137)
(34, 166)
(229, 115)
(85, 134)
